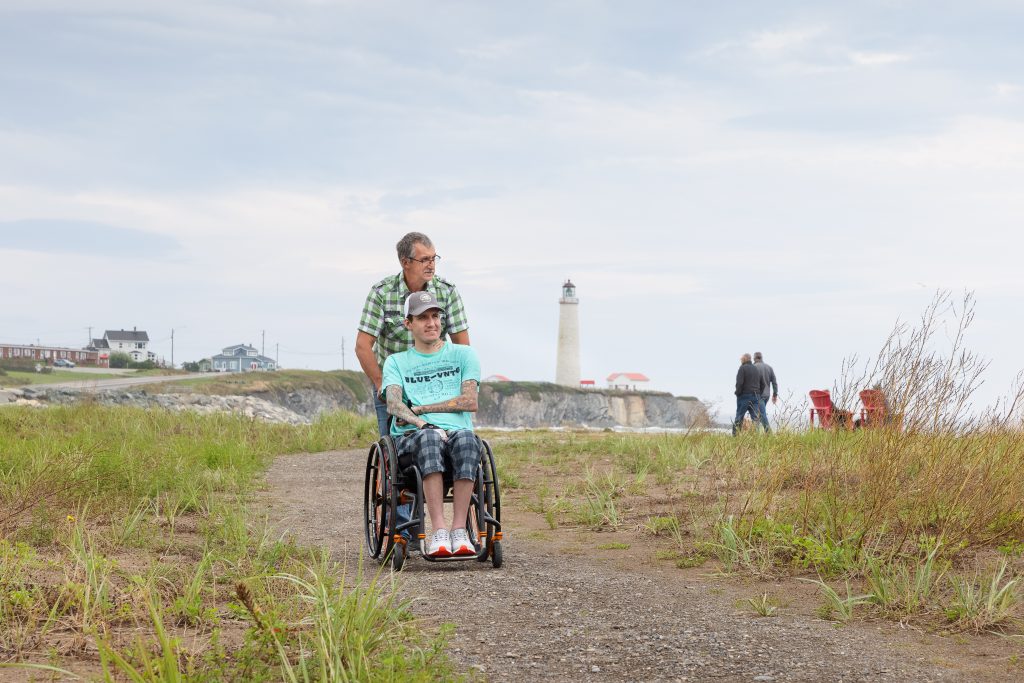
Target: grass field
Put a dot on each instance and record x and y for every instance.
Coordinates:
(129, 550)
(282, 381)
(922, 526)
(128, 534)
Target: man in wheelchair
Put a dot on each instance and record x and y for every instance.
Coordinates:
(431, 391)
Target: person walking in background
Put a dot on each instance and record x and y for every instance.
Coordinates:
(771, 389)
(750, 384)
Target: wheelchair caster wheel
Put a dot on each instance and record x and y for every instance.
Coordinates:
(398, 554)
(496, 554)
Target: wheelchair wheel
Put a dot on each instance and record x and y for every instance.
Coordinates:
(376, 501)
(496, 558)
(495, 504)
(396, 550)
(475, 516)
(490, 507)
(399, 551)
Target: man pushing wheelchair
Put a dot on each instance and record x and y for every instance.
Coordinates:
(431, 391)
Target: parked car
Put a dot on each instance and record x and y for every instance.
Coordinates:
(63, 363)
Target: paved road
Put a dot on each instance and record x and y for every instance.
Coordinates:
(85, 370)
(115, 383)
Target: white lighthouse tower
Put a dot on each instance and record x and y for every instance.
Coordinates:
(567, 369)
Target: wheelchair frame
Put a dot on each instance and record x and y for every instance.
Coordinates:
(390, 482)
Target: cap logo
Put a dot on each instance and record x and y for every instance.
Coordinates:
(424, 297)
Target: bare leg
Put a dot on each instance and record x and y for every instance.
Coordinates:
(463, 491)
(434, 494)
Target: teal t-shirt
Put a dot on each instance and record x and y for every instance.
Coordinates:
(428, 378)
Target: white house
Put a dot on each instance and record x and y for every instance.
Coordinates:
(133, 342)
(241, 358)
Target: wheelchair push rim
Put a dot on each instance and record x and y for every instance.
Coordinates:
(376, 501)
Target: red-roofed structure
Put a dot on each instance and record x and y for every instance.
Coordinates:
(626, 380)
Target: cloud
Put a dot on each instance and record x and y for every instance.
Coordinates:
(774, 176)
(1006, 90)
(62, 236)
(401, 202)
(785, 40)
(878, 58)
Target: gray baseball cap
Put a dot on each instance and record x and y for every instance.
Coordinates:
(419, 302)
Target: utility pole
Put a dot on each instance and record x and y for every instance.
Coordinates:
(172, 348)
(277, 355)
(342, 353)
(90, 336)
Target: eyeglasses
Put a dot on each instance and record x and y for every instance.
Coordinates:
(426, 259)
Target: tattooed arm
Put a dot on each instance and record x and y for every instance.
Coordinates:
(463, 403)
(397, 407)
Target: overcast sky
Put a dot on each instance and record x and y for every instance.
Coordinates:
(789, 177)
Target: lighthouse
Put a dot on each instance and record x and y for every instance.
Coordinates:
(567, 369)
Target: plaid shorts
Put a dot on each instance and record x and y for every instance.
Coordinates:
(460, 454)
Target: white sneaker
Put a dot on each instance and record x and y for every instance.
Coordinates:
(461, 544)
(440, 544)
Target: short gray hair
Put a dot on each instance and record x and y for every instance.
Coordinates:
(745, 357)
(406, 246)
(758, 356)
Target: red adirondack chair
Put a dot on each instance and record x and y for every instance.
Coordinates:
(828, 415)
(821, 402)
(874, 412)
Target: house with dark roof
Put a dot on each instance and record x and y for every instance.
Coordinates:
(134, 342)
(241, 358)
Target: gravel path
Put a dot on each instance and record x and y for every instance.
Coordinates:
(548, 615)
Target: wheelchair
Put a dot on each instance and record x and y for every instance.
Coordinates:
(393, 479)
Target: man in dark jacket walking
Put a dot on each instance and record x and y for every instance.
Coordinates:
(771, 387)
(750, 384)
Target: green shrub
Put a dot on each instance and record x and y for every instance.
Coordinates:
(119, 359)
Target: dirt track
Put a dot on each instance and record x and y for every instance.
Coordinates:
(554, 613)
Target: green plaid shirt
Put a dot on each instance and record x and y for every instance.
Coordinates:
(384, 313)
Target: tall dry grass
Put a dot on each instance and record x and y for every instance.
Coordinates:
(938, 484)
(939, 465)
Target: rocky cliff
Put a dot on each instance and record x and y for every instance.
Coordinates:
(502, 405)
(540, 404)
